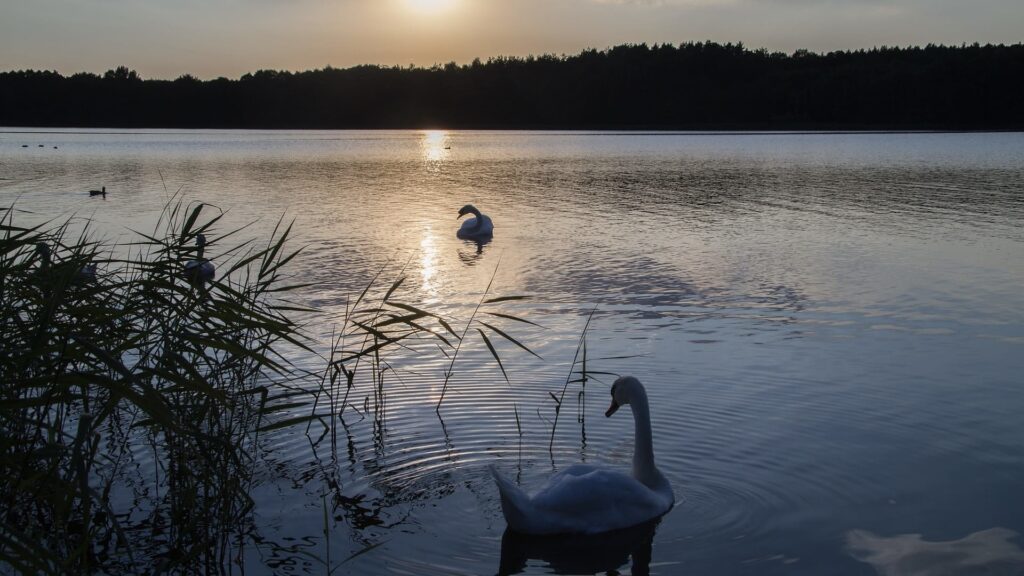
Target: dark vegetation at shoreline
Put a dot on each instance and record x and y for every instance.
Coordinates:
(136, 399)
(689, 86)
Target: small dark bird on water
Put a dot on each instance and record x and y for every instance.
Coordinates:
(102, 192)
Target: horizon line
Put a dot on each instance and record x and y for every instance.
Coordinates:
(562, 56)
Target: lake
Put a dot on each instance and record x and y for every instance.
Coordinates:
(830, 328)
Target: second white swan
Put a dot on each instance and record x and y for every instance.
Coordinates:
(200, 270)
(585, 499)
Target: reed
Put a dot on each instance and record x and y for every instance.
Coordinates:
(133, 397)
(98, 369)
(475, 322)
(580, 374)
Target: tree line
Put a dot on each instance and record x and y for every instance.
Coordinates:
(697, 85)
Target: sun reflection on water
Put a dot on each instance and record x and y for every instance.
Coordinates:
(436, 145)
(428, 263)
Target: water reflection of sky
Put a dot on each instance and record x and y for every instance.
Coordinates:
(428, 264)
(989, 551)
(829, 325)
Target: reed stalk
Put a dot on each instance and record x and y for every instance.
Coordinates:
(96, 363)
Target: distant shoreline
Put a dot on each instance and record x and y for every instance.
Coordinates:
(694, 87)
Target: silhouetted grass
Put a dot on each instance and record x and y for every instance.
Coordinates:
(98, 369)
(494, 330)
(580, 374)
(133, 395)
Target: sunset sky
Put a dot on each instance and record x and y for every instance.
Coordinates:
(210, 38)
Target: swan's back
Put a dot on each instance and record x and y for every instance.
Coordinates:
(598, 500)
(581, 499)
(469, 227)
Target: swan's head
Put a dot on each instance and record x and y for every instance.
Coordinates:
(622, 390)
(467, 209)
(201, 240)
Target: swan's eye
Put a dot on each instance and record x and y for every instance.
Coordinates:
(613, 390)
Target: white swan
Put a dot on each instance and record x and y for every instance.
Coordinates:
(200, 270)
(474, 228)
(589, 500)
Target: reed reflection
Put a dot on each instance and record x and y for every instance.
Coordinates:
(581, 554)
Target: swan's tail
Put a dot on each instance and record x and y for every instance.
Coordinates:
(515, 504)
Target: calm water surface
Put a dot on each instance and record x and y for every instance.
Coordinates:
(830, 327)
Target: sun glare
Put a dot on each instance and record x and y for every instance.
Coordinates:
(428, 263)
(435, 145)
(430, 6)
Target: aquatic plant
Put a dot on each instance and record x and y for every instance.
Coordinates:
(377, 320)
(580, 374)
(494, 330)
(134, 363)
(134, 394)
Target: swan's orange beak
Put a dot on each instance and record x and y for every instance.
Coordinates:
(612, 408)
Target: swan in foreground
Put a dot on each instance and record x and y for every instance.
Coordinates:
(585, 499)
(200, 270)
(474, 228)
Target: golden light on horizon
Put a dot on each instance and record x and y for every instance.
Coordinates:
(430, 7)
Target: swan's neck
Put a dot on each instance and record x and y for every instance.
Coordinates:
(644, 469)
(479, 218)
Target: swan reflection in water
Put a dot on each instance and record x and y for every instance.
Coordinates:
(581, 553)
(474, 252)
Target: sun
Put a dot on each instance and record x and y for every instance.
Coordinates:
(430, 6)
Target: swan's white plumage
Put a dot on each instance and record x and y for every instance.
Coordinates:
(588, 500)
(479, 227)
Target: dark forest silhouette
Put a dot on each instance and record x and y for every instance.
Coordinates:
(701, 85)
